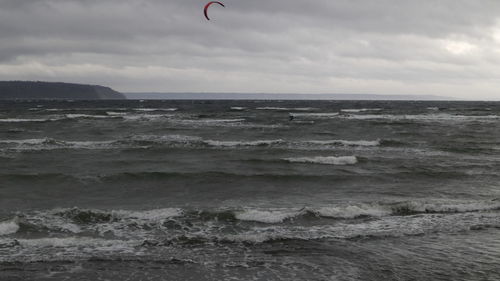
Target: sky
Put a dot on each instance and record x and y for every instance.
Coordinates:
(432, 47)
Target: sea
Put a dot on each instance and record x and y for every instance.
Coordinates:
(249, 190)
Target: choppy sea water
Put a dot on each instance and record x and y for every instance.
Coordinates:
(249, 190)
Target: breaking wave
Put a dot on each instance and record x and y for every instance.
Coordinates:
(155, 109)
(287, 108)
(242, 143)
(9, 227)
(19, 120)
(423, 117)
(146, 141)
(356, 110)
(315, 115)
(345, 142)
(254, 224)
(326, 160)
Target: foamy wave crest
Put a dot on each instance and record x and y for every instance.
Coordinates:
(87, 116)
(242, 143)
(9, 227)
(443, 206)
(27, 141)
(49, 144)
(423, 117)
(287, 108)
(146, 117)
(208, 121)
(355, 110)
(115, 113)
(326, 160)
(353, 211)
(20, 120)
(165, 139)
(155, 109)
(266, 216)
(149, 215)
(238, 108)
(345, 142)
(315, 115)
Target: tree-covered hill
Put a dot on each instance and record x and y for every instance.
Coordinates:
(51, 90)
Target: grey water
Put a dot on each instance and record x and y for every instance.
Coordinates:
(249, 190)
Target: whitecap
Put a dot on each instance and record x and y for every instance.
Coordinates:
(238, 108)
(266, 216)
(76, 116)
(326, 160)
(149, 215)
(155, 109)
(241, 143)
(9, 227)
(19, 120)
(356, 110)
(287, 108)
(146, 117)
(345, 142)
(353, 211)
(26, 141)
(316, 115)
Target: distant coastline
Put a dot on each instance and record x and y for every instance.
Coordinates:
(37, 90)
(269, 96)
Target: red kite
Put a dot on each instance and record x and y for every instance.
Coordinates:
(208, 5)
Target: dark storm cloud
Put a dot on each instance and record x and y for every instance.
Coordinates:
(257, 45)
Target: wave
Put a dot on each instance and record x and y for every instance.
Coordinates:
(422, 117)
(315, 115)
(147, 141)
(287, 108)
(50, 144)
(326, 160)
(208, 121)
(21, 120)
(242, 143)
(166, 139)
(155, 109)
(356, 110)
(75, 234)
(146, 117)
(357, 219)
(9, 227)
(266, 216)
(27, 141)
(238, 108)
(345, 142)
(88, 116)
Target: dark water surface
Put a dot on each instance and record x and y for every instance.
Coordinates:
(249, 190)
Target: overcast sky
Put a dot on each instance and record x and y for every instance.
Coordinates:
(440, 47)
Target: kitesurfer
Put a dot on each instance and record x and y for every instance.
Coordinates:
(208, 5)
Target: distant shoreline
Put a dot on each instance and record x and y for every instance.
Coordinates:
(38, 90)
(267, 96)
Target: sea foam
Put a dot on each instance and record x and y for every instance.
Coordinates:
(345, 142)
(326, 160)
(9, 227)
(356, 110)
(266, 216)
(242, 143)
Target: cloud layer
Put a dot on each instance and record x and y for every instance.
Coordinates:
(443, 47)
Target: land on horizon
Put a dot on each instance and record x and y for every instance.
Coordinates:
(12, 90)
